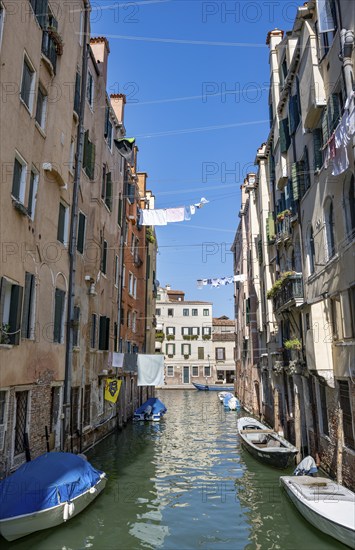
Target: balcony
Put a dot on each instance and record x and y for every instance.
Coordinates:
(290, 294)
(283, 229)
(49, 49)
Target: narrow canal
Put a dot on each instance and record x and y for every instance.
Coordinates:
(184, 483)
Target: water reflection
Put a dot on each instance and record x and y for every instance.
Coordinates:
(182, 484)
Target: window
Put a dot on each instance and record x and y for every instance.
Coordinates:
(21, 421)
(134, 321)
(72, 156)
(10, 312)
(186, 349)
(86, 405)
(74, 401)
(344, 397)
(158, 311)
(80, 245)
(76, 327)
(28, 83)
(132, 285)
(32, 194)
(207, 371)
(310, 250)
(185, 312)
(206, 312)
(3, 401)
(28, 312)
(329, 229)
(106, 188)
(49, 47)
(77, 93)
(323, 414)
(194, 313)
(120, 211)
(195, 370)
(108, 128)
(190, 331)
(206, 331)
(349, 203)
(81, 32)
(220, 354)
(89, 156)
(170, 370)
(117, 271)
(104, 257)
(170, 331)
(170, 350)
(285, 140)
(336, 317)
(93, 331)
(63, 217)
(201, 353)
(326, 33)
(124, 276)
(170, 313)
(19, 179)
(41, 109)
(129, 318)
(104, 333)
(59, 301)
(90, 90)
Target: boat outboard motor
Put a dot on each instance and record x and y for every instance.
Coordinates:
(307, 467)
(148, 411)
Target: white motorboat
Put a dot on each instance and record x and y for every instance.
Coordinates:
(55, 488)
(328, 506)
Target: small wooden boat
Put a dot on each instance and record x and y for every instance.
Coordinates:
(265, 444)
(213, 387)
(51, 489)
(325, 504)
(153, 409)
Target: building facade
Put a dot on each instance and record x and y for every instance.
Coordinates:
(61, 236)
(302, 378)
(184, 336)
(223, 346)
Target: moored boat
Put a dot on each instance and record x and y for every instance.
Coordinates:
(51, 489)
(222, 395)
(265, 444)
(152, 409)
(328, 506)
(213, 387)
(226, 399)
(233, 404)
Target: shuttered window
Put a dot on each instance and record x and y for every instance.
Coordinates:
(62, 223)
(119, 215)
(80, 245)
(170, 349)
(28, 313)
(285, 140)
(104, 333)
(186, 349)
(77, 93)
(28, 76)
(247, 311)
(317, 149)
(201, 353)
(89, 156)
(108, 191)
(306, 170)
(344, 396)
(104, 257)
(297, 178)
(10, 316)
(270, 228)
(294, 114)
(59, 301)
(333, 111)
(220, 354)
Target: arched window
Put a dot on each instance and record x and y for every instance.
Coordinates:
(349, 207)
(310, 250)
(329, 229)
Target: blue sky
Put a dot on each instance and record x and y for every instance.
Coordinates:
(176, 60)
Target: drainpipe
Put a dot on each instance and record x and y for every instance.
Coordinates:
(73, 233)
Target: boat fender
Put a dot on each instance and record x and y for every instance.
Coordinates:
(71, 509)
(66, 511)
(102, 475)
(92, 490)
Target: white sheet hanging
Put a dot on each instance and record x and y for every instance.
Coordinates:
(150, 370)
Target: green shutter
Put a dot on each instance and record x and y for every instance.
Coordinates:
(119, 216)
(284, 135)
(270, 227)
(77, 93)
(107, 334)
(102, 332)
(27, 305)
(334, 111)
(61, 223)
(81, 233)
(91, 160)
(301, 177)
(294, 178)
(15, 314)
(58, 315)
(317, 146)
(260, 251)
(108, 197)
(86, 151)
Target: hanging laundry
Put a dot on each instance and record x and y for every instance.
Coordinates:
(175, 214)
(332, 147)
(341, 138)
(220, 281)
(152, 217)
(150, 370)
(351, 122)
(125, 147)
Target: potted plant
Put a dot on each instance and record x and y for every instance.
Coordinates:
(293, 344)
(57, 39)
(278, 284)
(4, 334)
(159, 336)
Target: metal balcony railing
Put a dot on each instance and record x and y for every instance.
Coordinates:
(290, 294)
(283, 229)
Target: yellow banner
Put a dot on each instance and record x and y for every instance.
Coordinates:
(112, 389)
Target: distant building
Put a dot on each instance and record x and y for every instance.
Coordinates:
(223, 345)
(184, 336)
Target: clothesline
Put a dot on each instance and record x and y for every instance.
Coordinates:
(163, 216)
(221, 281)
(336, 146)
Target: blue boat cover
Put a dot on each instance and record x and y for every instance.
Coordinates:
(157, 406)
(226, 398)
(45, 482)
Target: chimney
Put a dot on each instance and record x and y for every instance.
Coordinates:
(118, 102)
(100, 49)
(167, 287)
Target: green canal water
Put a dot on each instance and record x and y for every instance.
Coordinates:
(182, 484)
